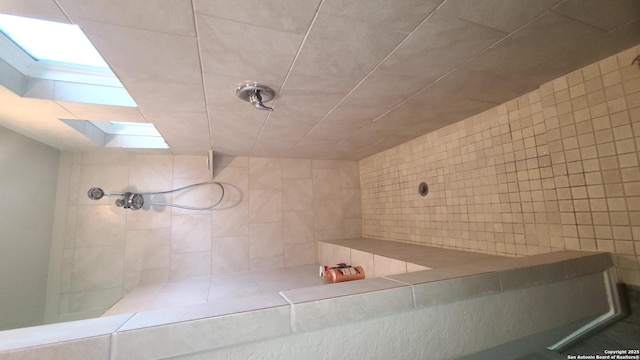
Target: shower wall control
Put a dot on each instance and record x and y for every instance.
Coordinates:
(135, 201)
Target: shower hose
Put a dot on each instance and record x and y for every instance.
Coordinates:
(135, 201)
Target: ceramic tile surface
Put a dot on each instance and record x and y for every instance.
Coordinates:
(218, 292)
(110, 252)
(338, 67)
(555, 169)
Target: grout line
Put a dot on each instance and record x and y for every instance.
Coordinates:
(413, 291)
(204, 88)
(292, 312)
(374, 69)
(113, 341)
(431, 84)
(295, 59)
(459, 66)
(57, 2)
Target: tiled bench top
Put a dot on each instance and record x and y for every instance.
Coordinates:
(429, 256)
(197, 328)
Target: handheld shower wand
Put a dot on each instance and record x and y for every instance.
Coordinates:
(135, 201)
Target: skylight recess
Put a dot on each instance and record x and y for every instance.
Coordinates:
(119, 134)
(127, 128)
(51, 41)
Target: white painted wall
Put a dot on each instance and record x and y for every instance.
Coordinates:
(28, 174)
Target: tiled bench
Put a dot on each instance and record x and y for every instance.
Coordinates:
(373, 265)
(436, 303)
(383, 258)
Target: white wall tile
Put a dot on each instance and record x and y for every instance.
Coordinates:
(384, 266)
(97, 267)
(265, 206)
(190, 233)
(297, 194)
(100, 225)
(150, 172)
(232, 221)
(190, 167)
(298, 226)
(296, 169)
(352, 228)
(349, 175)
(351, 203)
(364, 259)
(149, 217)
(195, 196)
(326, 184)
(156, 244)
(267, 263)
(266, 240)
(299, 254)
(341, 254)
(265, 173)
(185, 265)
(325, 253)
(230, 255)
(94, 299)
(328, 214)
(236, 185)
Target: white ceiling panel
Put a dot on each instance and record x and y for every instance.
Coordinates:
(504, 15)
(311, 97)
(39, 9)
(166, 95)
(166, 16)
(612, 42)
(233, 48)
(292, 16)
(147, 55)
(541, 40)
(353, 77)
(185, 132)
(438, 46)
(399, 15)
(605, 14)
(345, 49)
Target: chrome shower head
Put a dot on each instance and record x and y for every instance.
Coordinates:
(95, 193)
(256, 94)
(133, 201)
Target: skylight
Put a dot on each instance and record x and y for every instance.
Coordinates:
(119, 134)
(51, 41)
(126, 128)
(56, 61)
(40, 53)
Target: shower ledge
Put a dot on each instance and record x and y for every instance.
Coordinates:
(383, 257)
(520, 286)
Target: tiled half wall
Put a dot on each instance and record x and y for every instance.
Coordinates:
(554, 169)
(275, 210)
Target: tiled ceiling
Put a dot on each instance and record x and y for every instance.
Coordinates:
(354, 77)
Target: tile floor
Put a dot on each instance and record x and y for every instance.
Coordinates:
(201, 290)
